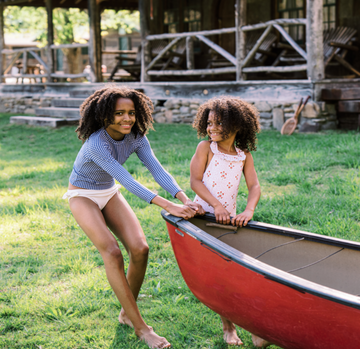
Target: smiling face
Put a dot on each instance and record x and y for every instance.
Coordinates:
(214, 127)
(124, 119)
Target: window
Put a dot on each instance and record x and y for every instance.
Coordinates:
(293, 9)
(192, 18)
(171, 17)
(329, 14)
(182, 16)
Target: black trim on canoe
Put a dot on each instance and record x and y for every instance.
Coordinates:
(229, 253)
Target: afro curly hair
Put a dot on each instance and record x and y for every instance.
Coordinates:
(234, 114)
(98, 111)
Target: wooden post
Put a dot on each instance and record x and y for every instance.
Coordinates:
(145, 46)
(2, 42)
(50, 41)
(314, 40)
(95, 41)
(190, 53)
(240, 20)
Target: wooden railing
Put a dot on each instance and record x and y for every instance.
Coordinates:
(202, 36)
(42, 66)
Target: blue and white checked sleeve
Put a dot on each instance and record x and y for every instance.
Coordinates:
(161, 176)
(102, 157)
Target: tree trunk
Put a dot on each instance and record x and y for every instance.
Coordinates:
(74, 64)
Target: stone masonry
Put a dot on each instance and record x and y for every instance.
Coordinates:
(316, 116)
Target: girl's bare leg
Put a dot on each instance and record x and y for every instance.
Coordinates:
(132, 237)
(230, 335)
(259, 342)
(91, 220)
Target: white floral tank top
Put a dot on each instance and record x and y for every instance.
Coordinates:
(222, 179)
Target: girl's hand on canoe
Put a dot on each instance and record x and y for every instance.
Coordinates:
(243, 218)
(196, 207)
(221, 214)
(182, 211)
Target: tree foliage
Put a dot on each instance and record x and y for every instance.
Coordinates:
(70, 25)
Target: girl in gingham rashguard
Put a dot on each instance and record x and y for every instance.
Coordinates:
(113, 125)
(215, 170)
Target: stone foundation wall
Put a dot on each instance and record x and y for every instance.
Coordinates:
(23, 104)
(316, 116)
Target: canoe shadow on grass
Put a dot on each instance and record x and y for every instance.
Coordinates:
(125, 338)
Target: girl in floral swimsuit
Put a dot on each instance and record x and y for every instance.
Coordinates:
(215, 170)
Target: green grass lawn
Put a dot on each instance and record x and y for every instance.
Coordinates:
(53, 288)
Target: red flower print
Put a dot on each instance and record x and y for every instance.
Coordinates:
(213, 184)
(223, 174)
(229, 185)
(231, 165)
(220, 194)
(216, 163)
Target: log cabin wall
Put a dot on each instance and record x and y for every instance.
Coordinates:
(348, 15)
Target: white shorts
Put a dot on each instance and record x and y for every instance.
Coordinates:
(100, 197)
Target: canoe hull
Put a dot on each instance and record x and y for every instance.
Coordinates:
(286, 316)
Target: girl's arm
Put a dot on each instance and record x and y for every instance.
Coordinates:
(253, 185)
(197, 170)
(103, 158)
(162, 177)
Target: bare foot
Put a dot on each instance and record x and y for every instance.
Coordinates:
(259, 342)
(153, 340)
(230, 335)
(123, 319)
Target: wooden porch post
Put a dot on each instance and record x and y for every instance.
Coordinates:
(95, 41)
(2, 42)
(240, 20)
(50, 39)
(145, 46)
(314, 40)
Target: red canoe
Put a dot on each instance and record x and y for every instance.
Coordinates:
(293, 288)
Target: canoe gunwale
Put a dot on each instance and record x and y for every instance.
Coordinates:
(229, 253)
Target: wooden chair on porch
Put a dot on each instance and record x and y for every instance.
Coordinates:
(176, 57)
(132, 65)
(337, 43)
(262, 53)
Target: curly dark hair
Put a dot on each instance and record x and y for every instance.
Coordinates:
(234, 114)
(98, 111)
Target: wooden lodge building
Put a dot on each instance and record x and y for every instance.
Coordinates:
(268, 52)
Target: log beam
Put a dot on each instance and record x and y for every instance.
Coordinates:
(95, 41)
(50, 40)
(314, 40)
(217, 48)
(2, 42)
(145, 46)
(240, 21)
(253, 51)
(190, 53)
(193, 72)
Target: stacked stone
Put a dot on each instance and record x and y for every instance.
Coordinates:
(176, 111)
(318, 116)
(315, 116)
(23, 104)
